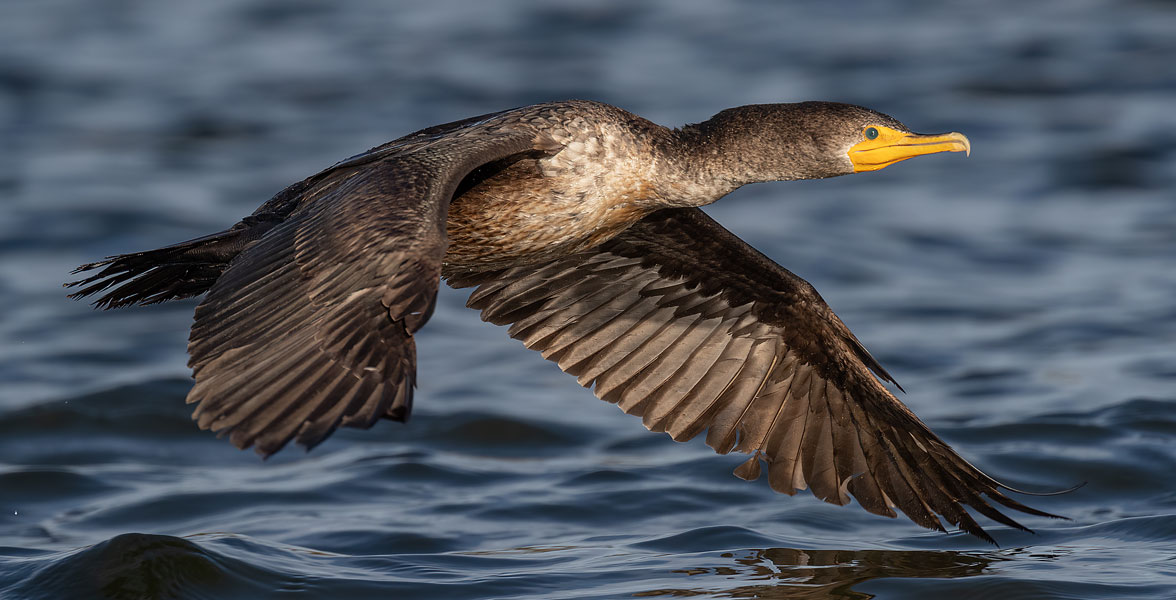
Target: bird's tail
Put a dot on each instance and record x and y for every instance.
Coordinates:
(179, 271)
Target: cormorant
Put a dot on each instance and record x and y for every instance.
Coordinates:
(578, 224)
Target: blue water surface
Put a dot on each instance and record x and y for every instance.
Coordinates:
(1025, 297)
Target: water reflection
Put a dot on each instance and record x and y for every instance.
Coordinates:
(795, 574)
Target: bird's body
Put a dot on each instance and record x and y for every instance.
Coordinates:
(592, 189)
(578, 224)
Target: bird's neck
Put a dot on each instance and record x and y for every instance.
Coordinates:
(694, 167)
(709, 160)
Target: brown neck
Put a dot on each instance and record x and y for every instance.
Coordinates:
(750, 144)
(693, 168)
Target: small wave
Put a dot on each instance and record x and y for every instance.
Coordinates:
(134, 566)
(708, 538)
(497, 433)
(144, 421)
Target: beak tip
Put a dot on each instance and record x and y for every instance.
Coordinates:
(964, 141)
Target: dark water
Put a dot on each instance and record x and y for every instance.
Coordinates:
(1026, 298)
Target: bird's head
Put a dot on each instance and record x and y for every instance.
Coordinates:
(813, 140)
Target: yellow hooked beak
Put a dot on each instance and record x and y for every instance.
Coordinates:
(889, 146)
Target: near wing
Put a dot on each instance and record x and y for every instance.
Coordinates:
(680, 322)
(311, 327)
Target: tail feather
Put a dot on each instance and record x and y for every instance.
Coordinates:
(179, 271)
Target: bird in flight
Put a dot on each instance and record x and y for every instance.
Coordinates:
(577, 224)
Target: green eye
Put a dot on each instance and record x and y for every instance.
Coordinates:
(871, 133)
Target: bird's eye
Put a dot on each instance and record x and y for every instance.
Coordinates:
(871, 133)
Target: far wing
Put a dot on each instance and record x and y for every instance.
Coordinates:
(311, 327)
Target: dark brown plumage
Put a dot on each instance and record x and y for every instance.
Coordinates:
(577, 223)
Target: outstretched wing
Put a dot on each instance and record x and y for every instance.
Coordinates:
(680, 322)
(311, 327)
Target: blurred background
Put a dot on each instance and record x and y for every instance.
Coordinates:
(1023, 296)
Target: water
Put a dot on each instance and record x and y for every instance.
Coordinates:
(1023, 296)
